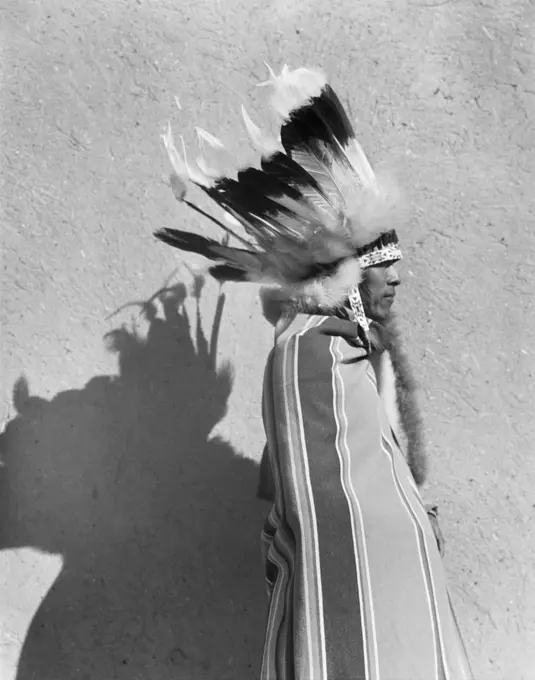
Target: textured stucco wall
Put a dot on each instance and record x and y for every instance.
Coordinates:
(129, 524)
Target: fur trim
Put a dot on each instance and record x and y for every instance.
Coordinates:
(407, 402)
(387, 338)
(319, 295)
(327, 292)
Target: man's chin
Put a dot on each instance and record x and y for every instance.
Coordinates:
(381, 315)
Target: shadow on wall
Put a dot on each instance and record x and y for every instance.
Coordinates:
(158, 523)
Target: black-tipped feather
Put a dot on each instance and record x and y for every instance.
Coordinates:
(307, 209)
(236, 264)
(315, 136)
(254, 190)
(323, 119)
(251, 194)
(253, 197)
(207, 247)
(288, 173)
(264, 232)
(190, 242)
(287, 170)
(257, 198)
(227, 272)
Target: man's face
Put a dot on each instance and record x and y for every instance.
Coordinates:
(378, 290)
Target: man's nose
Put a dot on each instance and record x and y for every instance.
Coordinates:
(392, 277)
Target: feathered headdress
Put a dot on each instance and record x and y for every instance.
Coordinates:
(315, 212)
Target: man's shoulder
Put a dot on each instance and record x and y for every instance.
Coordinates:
(315, 333)
(300, 328)
(312, 347)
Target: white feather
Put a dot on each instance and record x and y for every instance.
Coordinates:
(206, 169)
(265, 143)
(178, 186)
(176, 160)
(358, 162)
(271, 71)
(302, 209)
(180, 163)
(293, 89)
(204, 136)
(323, 175)
(230, 219)
(194, 174)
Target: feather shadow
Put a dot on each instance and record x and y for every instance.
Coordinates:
(156, 521)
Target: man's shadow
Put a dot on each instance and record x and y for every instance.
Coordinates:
(157, 521)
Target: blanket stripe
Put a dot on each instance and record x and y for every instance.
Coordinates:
(356, 584)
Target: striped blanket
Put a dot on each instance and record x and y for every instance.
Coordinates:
(356, 584)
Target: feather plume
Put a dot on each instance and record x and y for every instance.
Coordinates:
(214, 156)
(372, 212)
(180, 164)
(244, 260)
(293, 89)
(272, 208)
(330, 291)
(309, 209)
(178, 186)
(205, 136)
(231, 220)
(320, 138)
(227, 272)
(192, 243)
(265, 143)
